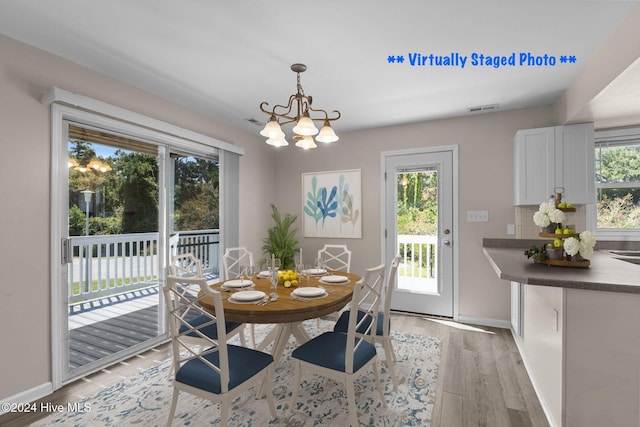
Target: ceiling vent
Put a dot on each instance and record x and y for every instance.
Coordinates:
(255, 122)
(483, 108)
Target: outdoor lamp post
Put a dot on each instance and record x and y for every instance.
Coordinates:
(87, 202)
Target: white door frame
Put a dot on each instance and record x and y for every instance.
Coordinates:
(425, 150)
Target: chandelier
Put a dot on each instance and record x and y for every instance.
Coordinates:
(304, 129)
(94, 164)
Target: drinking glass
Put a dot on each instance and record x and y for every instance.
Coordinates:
(249, 271)
(273, 263)
(300, 271)
(242, 271)
(274, 279)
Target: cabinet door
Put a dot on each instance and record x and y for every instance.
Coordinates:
(517, 308)
(575, 163)
(534, 166)
(542, 349)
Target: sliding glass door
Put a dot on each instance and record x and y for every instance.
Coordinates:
(124, 199)
(194, 203)
(112, 242)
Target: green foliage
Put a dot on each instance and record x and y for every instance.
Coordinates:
(199, 212)
(418, 203)
(538, 254)
(281, 241)
(618, 208)
(619, 212)
(126, 198)
(77, 221)
(105, 226)
(138, 179)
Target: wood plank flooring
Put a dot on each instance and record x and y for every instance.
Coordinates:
(481, 379)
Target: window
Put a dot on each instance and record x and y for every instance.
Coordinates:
(617, 167)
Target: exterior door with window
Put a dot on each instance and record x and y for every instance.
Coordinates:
(419, 206)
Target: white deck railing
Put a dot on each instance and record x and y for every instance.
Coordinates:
(418, 256)
(106, 265)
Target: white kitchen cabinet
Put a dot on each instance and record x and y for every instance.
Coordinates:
(554, 159)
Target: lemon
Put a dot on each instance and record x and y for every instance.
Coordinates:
(287, 284)
(294, 283)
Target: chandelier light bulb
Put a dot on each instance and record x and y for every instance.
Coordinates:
(278, 141)
(272, 129)
(306, 143)
(305, 126)
(327, 134)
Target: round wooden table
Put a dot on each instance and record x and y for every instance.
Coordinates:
(287, 313)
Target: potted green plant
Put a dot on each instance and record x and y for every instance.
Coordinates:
(281, 240)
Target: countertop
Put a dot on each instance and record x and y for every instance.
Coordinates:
(606, 273)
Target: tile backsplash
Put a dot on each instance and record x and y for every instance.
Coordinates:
(526, 229)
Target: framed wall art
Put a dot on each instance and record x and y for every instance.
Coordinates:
(332, 204)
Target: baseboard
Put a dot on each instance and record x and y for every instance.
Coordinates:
(484, 321)
(26, 396)
(533, 383)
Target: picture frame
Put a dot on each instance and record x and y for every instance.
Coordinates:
(332, 204)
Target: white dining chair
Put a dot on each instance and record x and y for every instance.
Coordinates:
(334, 258)
(232, 261)
(346, 356)
(383, 325)
(217, 371)
(187, 266)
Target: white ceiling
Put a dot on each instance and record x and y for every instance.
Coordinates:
(223, 58)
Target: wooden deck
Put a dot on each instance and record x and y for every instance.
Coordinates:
(105, 327)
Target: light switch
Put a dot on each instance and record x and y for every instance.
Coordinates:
(511, 229)
(477, 216)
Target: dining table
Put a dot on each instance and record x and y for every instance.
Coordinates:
(288, 311)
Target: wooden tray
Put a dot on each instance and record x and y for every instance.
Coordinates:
(566, 263)
(557, 236)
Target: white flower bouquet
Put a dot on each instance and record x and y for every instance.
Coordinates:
(583, 245)
(547, 214)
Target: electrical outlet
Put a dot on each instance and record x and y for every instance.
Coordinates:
(511, 229)
(477, 216)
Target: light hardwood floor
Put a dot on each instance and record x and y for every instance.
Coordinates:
(481, 379)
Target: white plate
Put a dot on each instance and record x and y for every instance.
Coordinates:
(310, 292)
(265, 273)
(334, 279)
(316, 271)
(248, 295)
(239, 283)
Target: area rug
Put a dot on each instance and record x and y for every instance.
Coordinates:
(144, 399)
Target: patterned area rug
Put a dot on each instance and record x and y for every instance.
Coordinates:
(144, 399)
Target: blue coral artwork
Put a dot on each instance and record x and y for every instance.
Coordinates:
(332, 204)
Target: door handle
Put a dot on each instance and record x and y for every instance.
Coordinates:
(446, 242)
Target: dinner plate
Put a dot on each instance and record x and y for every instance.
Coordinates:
(248, 295)
(309, 292)
(316, 271)
(265, 273)
(334, 279)
(238, 283)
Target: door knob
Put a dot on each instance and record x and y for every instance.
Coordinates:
(446, 242)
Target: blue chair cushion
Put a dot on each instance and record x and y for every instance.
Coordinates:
(211, 331)
(329, 350)
(244, 363)
(343, 323)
